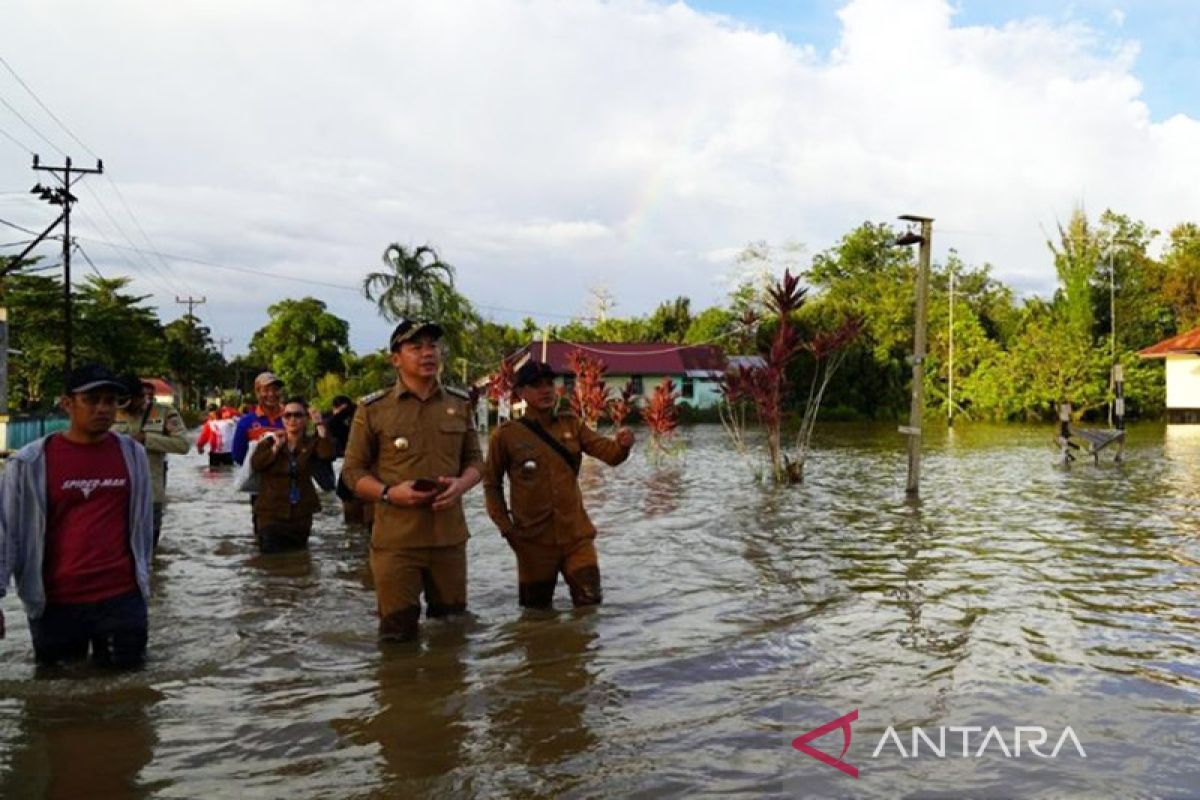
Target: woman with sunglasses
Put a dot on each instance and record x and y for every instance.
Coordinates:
(287, 499)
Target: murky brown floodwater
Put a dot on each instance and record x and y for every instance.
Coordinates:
(737, 618)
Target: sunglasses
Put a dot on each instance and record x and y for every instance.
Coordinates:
(295, 414)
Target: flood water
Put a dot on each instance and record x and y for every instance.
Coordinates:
(737, 617)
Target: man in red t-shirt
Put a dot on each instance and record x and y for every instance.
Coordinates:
(91, 584)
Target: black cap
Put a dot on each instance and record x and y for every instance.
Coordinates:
(532, 372)
(410, 328)
(93, 376)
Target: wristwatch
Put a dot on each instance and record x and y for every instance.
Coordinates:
(383, 498)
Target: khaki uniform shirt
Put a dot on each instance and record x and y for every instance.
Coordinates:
(164, 431)
(396, 436)
(547, 505)
(274, 495)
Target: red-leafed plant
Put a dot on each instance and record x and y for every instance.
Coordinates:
(500, 383)
(590, 398)
(661, 416)
(765, 387)
(620, 407)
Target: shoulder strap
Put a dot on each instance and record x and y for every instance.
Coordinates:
(572, 461)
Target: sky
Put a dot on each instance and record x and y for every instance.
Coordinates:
(259, 151)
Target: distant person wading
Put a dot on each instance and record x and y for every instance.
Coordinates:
(263, 419)
(287, 499)
(160, 429)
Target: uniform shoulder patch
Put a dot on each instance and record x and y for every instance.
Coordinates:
(373, 397)
(459, 393)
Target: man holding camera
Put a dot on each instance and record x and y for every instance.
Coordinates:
(413, 451)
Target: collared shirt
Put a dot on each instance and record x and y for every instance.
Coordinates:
(164, 432)
(547, 505)
(399, 437)
(252, 427)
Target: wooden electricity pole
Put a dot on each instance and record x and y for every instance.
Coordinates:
(913, 429)
(62, 197)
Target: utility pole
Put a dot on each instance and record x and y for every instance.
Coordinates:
(221, 342)
(950, 390)
(913, 429)
(62, 197)
(191, 302)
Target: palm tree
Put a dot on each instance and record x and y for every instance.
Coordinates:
(417, 282)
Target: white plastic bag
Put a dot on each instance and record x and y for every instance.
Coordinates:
(246, 479)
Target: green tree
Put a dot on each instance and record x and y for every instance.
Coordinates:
(1180, 290)
(1076, 257)
(115, 328)
(301, 342)
(192, 359)
(35, 358)
(712, 325)
(417, 283)
(670, 321)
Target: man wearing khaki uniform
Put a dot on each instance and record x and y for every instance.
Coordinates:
(413, 452)
(160, 429)
(546, 525)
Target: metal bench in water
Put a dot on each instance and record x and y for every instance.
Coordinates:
(1092, 441)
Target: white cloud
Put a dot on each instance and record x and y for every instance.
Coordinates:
(546, 146)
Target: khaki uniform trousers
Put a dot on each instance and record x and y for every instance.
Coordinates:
(402, 574)
(538, 567)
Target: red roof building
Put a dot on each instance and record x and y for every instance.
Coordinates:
(1182, 356)
(697, 370)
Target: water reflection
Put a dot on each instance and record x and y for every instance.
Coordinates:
(539, 711)
(65, 755)
(419, 726)
(664, 492)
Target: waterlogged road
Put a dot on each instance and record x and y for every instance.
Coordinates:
(737, 618)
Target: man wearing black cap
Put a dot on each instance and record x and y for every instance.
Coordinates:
(413, 452)
(546, 524)
(77, 532)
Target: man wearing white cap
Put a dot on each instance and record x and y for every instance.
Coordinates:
(265, 419)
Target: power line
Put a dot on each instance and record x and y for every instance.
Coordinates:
(46, 108)
(29, 125)
(16, 141)
(86, 257)
(119, 252)
(166, 268)
(149, 268)
(17, 227)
